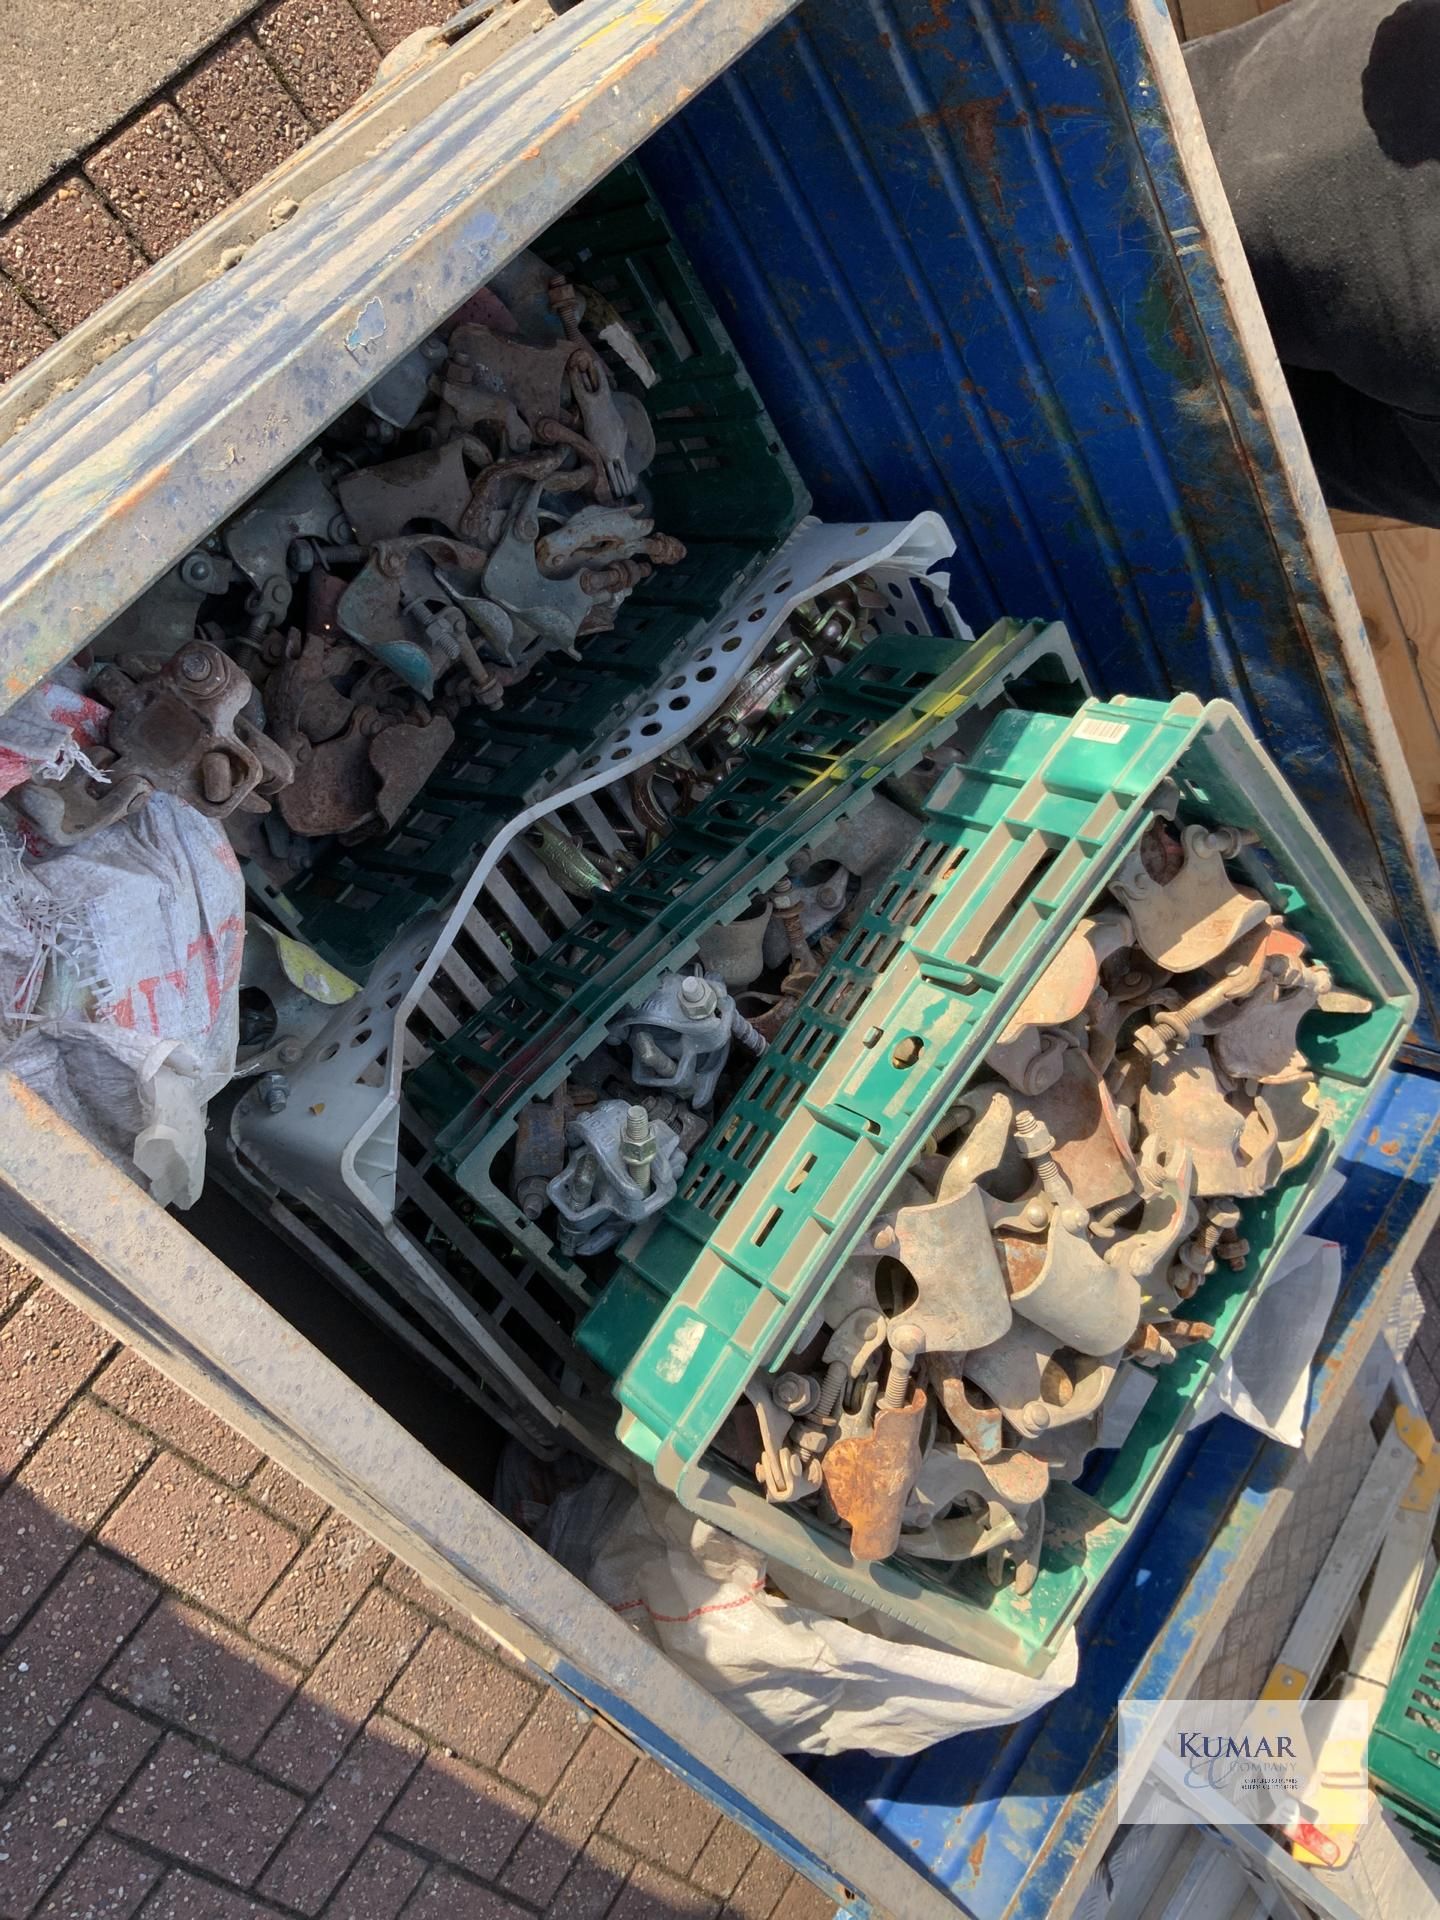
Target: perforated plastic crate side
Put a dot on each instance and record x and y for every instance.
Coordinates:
(699, 865)
(896, 700)
(1027, 823)
(626, 1311)
(721, 481)
(725, 1298)
(1405, 1740)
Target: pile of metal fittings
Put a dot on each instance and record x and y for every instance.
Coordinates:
(186, 725)
(1059, 1220)
(814, 641)
(605, 1152)
(817, 637)
(302, 673)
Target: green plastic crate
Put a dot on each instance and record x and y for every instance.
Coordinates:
(1424, 1831)
(721, 482)
(895, 700)
(1023, 839)
(1405, 1740)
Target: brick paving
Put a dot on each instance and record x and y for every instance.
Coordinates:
(67, 254)
(219, 127)
(220, 1700)
(159, 179)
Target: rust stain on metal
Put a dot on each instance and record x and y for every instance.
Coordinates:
(39, 1113)
(1020, 1259)
(869, 1476)
(1043, 13)
(939, 22)
(149, 482)
(977, 124)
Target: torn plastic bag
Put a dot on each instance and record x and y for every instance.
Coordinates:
(1266, 1381)
(119, 964)
(47, 732)
(803, 1679)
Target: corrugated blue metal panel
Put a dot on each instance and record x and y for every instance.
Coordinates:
(957, 247)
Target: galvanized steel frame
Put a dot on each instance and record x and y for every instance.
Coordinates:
(90, 1230)
(409, 83)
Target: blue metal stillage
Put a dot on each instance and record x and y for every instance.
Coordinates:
(959, 246)
(956, 244)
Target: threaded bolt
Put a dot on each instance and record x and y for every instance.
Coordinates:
(697, 997)
(747, 1036)
(836, 1374)
(1034, 1137)
(652, 1056)
(487, 684)
(1168, 1032)
(1036, 1143)
(273, 1092)
(907, 1343)
(787, 910)
(637, 1145)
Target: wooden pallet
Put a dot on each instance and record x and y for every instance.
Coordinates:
(1395, 570)
(1197, 17)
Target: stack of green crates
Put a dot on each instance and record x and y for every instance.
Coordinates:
(900, 697)
(1405, 1740)
(1019, 843)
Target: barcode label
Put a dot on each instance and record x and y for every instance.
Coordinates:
(1111, 732)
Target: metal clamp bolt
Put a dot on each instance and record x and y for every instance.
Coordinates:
(907, 1343)
(1036, 1143)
